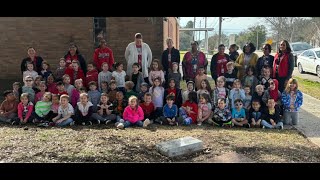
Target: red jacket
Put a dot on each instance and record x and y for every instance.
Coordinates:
(194, 107)
(80, 75)
(91, 76)
(283, 65)
(103, 55)
(21, 109)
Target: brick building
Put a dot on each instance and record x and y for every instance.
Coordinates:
(51, 37)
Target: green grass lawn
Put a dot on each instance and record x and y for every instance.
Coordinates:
(309, 87)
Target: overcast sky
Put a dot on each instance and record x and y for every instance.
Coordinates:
(230, 25)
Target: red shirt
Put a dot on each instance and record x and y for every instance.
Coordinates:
(103, 55)
(147, 110)
(139, 48)
(91, 76)
(221, 67)
(69, 59)
(172, 92)
(60, 93)
(194, 107)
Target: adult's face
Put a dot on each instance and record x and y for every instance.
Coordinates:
(31, 52)
(247, 49)
(138, 41)
(72, 49)
(170, 44)
(221, 50)
(265, 50)
(283, 46)
(103, 44)
(194, 46)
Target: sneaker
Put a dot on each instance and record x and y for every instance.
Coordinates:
(72, 123)
(263, 127)
(199, 124)
(98, 121)
(121, 121)
(35, 121)
(120, 126)
(177, 124)
(43, 124)
(14, 123)
(83, 123)
(247, 125)
(146, 122)
(158, 121)
(108, 121)
(89, 123)
(281, 127)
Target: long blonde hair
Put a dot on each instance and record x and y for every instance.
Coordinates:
(290, 81)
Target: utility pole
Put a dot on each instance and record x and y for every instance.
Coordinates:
(257, 40)
(199, 31)
(206, 36)
(194, 26)
(220, 23)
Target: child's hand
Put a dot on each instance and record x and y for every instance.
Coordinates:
(59, 121)
(173, 119)
(291, 106)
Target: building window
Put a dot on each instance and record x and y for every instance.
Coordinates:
(99, 29)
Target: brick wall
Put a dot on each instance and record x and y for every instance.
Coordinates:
(49, 35)
(171, 29)
(121, 31)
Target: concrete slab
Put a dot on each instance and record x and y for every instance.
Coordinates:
(178, 147)
(231, 157)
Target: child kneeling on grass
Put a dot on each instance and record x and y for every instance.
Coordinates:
(133, 115)
(65, 113)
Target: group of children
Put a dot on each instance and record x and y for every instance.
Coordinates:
(68, 96)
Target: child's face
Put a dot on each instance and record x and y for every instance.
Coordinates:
(220, 83)
(271, 103)
(237, 85)
(259, 89)
(113, 86)
(104, 86)
(247, 90)
(172, 84)
(50, 79)
(92, 87)
(45, 66)
(24, 100)
(133, 103)
(175, 67)
(266, 72)
(238, 105)
(135, 68)
(203, 85)
(201, 71)
(190, 87)
(156, 82)
(119, 96)
(64, 101)
(90, 67)
(104, 99)
(46, 98)
(230, 68)
(66, 80)
(147, 99)
(29, 82)
(60, 88)
(78, 84)
(42, 87)
(83, 99)
(37, 82)
(170, 102)
(15, 87)
(105, 67)
(250, 72)
(30, 67)
(293, 86)
(55, 99)
(202, 100)
(120, 67)
(155, 65)
(221, 104)
(256, 106)
(62, 63)
(144, 88)
(272, 85)
(75, 66)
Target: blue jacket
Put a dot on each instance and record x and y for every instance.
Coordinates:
(285, 97)
(170, 112)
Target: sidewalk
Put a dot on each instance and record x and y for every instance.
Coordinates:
(309, 121)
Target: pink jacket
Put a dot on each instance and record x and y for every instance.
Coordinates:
(133, 115)
(21, 109)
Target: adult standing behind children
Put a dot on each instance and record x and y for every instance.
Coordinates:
(139, 52)
(247, 58)
(169, 56)
(103, 54)
(74, 54)
(218, 66)
(35, 60)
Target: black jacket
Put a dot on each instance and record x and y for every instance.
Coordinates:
(214, 64)
(175, 57)
(264, 61)
(37, 68)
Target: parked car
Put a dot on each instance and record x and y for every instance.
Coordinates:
(309, 61)
(297, 48)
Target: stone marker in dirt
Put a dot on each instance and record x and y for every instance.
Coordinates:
(231, 157)
(179, 147)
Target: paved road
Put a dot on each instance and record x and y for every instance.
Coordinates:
(309, 76)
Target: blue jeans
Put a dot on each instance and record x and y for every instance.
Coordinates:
(128, 124)
(186, 119)
(65, 122)
(269, 126)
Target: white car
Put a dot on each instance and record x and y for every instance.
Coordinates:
(309, 61)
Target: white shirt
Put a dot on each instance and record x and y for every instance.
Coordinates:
(64, 112)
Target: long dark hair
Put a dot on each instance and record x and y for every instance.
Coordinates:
(288, 48)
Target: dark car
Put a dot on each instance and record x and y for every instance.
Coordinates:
(297, 48)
